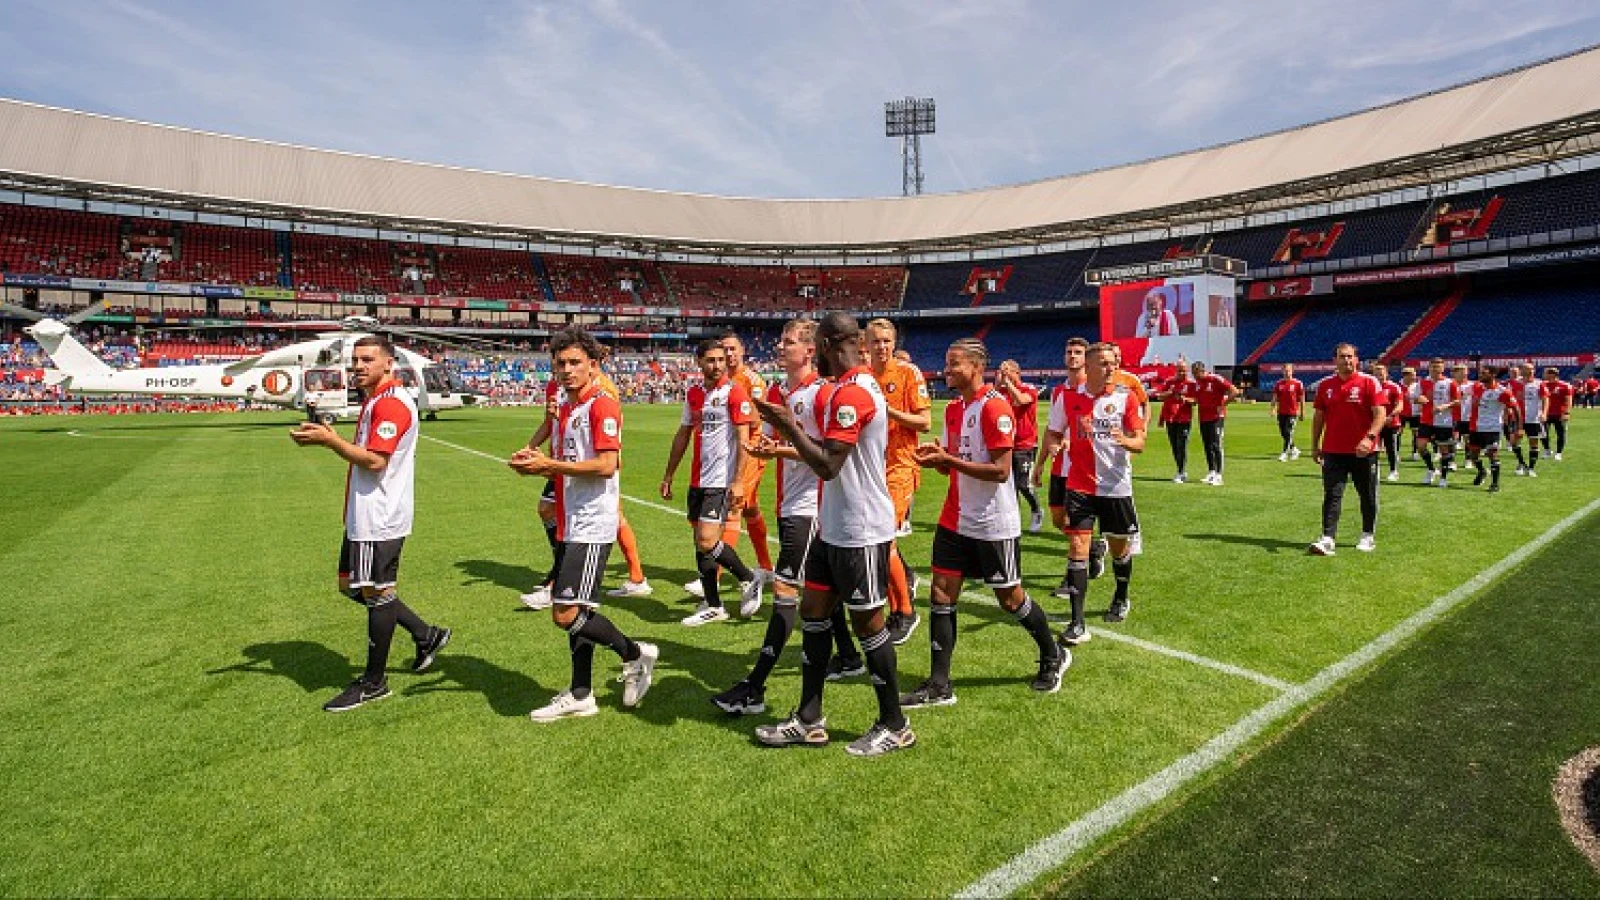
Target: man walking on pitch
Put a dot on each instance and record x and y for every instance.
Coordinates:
(803, 392)
(1558, 412)
(1211, 394)
(378, 511)
(1178, 417)
(588, 437)
(1104, 428)
(1393, 400)
(1350, 411)
(1441, 405)
(980, 528)
(905, 395)
(717, 416)
(1053, 454)
(1287, 396)
(1495, 411)
(1533, 398)
(849, 558)
(1024, 400)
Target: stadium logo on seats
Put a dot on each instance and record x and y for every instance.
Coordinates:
(276, 382)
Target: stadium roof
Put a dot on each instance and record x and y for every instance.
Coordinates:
(1538, 113)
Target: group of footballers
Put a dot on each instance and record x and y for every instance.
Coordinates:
(841, 431)
(1449, 413)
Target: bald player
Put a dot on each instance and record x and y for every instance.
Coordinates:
(905, 395)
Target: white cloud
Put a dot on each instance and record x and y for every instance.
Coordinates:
(763, 99)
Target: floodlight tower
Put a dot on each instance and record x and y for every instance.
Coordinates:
(909, 120)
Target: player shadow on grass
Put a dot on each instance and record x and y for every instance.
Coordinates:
(1269, 544)
(506, 575)
(310, 665)
(508, 692)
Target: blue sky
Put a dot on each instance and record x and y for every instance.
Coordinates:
(762, 98)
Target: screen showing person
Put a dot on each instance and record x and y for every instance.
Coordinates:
(1222, 311)
(1165, 310)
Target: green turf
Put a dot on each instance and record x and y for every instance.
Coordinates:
(1431, 777)
(169, 597)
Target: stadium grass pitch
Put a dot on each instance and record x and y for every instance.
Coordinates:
(1430, 778)
(174, 632)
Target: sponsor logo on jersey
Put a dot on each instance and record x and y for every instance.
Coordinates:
(388, 430)
(845, 416)
(608, 427)
(1004, 424)
(744, 407)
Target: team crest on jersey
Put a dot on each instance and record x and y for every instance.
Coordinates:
(608, 427)
(1004, 424)
(1109, 409)
(387, 430)
(845, 416)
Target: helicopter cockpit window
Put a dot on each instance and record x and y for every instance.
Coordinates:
(324, 380)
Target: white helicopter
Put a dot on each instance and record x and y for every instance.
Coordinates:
(309, 375)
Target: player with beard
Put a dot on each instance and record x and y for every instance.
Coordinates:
(1494, 412)
(744, 493)
(1104, 429)
(1288, 395)
(1350, 411)
(980, 528)
(717, 416)
(588, 441)
(378, 512)
(803, 391)
(1393, 400)
(905, 394)
(849, 557)
(1052, 454)
(1558, 412)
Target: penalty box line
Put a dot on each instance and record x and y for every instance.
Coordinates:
(1056, 849)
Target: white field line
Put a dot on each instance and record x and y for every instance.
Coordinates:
(1057, 848)
(1276, 684)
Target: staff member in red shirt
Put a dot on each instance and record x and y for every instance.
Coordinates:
(1287, 396)
(1178, 416)
(1211, 394)
(1559, 412)
(1349, 413)
(1024, 399)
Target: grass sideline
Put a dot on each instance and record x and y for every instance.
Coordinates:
(172, 575)
(1430, 777)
